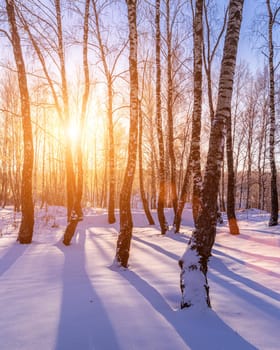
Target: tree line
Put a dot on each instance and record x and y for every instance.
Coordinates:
(105, 102)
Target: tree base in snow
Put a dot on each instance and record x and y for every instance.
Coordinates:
(70, 231)
(25, 232)
(233, 227)
(273, 221)
(111, 221)
(24, 240)
(193, 280)
(122, 256)
(123, 246)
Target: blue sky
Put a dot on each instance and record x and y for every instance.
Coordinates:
(246, 49)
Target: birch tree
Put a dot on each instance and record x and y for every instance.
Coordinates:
(80, 175)
(140, 153)
(72, 212)
(272, 20)
(263, 103)
(193, 166)
(209, 53)
(77, 183)
(162, 176)
(196, 119)
(194, 262)
(110, 76)
(174, 196)
(232, 221)
(27, 221)
(250, 116)
(126, 222)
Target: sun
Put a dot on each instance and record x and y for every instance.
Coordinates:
(73, 132)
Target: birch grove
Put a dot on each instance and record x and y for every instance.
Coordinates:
(117, 106)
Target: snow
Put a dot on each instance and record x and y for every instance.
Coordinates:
(193, 280)
(63, 298)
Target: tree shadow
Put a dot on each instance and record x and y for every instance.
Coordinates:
(248, 264)
(96, 241)
(84, 323)
(269, 240)
(157, 248)
(11, 256)
(197, 329)
(179, 237)
(254, 255)
(219, 266)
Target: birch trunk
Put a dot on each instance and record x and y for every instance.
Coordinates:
(273, 180)
(74, 209)
(232, 222)
(193, 166)
(183, 197)
(162, 177)
(249, 163)
(70, 174)
(80, 175)
(27, 221)
(112, 176)
(141, 176)
(174, 197)
(194, 262)
(74, 190)
(196, 118)
(126, 223)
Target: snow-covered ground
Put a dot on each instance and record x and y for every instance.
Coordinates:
(64, 298)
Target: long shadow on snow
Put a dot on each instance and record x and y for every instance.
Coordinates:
(157, 248)
(253, 299)
(262, 240)
(219, 266)
(254, 255)
(196, 329)
(12, 255)
(99, 220)
(110, 244)
(83, 323)
(248, 264)
(179, 237)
